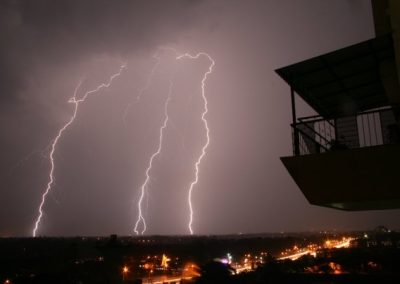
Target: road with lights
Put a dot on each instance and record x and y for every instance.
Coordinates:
(312, 250)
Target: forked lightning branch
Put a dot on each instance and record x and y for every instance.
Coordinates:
(140, 224)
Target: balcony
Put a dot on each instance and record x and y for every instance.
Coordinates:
(348, 163)
(314, 134)
(347, 157)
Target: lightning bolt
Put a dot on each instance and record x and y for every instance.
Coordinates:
(145, 87)
(144, 186)
(76, 103)
(203, 118)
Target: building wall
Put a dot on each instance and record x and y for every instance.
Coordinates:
(387, 20)
(381, 17)
(356, 179)
(394, 12)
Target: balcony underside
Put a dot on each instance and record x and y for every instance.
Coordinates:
(356, 179)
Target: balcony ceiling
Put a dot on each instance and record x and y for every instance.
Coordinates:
(345, 81)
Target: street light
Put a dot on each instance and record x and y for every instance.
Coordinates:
(125, 271)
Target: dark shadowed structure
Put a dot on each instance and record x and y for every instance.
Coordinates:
(346, 157)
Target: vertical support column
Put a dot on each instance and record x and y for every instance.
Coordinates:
(296, 139)
(336, 130)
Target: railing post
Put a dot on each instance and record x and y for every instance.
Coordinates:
(296, 140)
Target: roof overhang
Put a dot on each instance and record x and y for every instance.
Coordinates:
(345, 81)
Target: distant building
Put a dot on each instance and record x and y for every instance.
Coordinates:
(381, 237)
(348, 156)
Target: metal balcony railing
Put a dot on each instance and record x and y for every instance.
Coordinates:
(315, 134)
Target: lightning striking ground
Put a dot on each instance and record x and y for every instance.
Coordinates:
(204, 148)
(143, 188)
(76, 103)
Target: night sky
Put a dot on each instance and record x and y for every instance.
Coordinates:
(47, 47)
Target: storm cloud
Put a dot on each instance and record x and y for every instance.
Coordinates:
(47, 47)
(49, 32)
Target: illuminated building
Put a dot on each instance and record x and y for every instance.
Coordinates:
(164, 261)
(347, 156)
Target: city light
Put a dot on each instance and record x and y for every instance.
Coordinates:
(125, 271)
(164, 261)
(311, 249)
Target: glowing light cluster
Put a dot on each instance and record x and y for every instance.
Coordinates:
(60, 132)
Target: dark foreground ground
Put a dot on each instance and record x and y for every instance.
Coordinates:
(373, 257)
